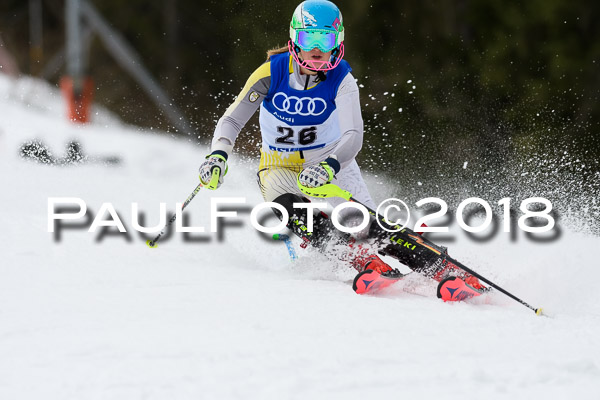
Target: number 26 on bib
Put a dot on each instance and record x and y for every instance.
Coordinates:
(303, 137)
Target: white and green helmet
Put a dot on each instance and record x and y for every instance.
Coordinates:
(317, 24)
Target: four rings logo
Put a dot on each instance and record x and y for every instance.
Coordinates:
(303, 106)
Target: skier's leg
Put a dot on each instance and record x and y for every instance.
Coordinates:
(323, 232)
(327, 238)
(279, 185)
(364, 253)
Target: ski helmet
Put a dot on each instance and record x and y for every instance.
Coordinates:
(317, 24)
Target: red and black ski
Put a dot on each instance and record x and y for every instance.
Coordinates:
(369, 281)
(455, 289)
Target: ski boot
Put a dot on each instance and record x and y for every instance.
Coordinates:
(374, 274)
(451, 270)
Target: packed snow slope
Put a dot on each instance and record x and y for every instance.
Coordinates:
(229, 316)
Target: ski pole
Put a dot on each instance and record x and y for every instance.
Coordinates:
(215, 177)
(332, 190)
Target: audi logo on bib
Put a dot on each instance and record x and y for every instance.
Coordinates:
(303, 106)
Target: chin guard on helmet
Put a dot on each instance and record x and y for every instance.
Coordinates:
(317, 24)
(317, 65)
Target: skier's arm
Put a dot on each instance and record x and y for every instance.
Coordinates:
(245, 105)
(351, 124)
(231, 123)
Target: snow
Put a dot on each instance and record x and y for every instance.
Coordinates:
(231, 317)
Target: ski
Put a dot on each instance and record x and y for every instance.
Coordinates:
(453, 288)
(369, 281)
(288, 243)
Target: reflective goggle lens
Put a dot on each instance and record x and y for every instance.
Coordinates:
(308, 40)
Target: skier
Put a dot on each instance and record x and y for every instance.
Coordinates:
(312, 130)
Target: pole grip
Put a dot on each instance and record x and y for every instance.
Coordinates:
(214, 180)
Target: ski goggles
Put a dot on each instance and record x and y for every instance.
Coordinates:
(324, 40)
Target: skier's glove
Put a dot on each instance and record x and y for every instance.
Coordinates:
(321, 174)
(213, 169)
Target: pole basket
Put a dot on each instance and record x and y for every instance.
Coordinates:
(78, 97)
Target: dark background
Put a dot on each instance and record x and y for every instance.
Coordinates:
(505, 100)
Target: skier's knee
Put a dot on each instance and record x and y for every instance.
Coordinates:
(287, 200)
(322, 228)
